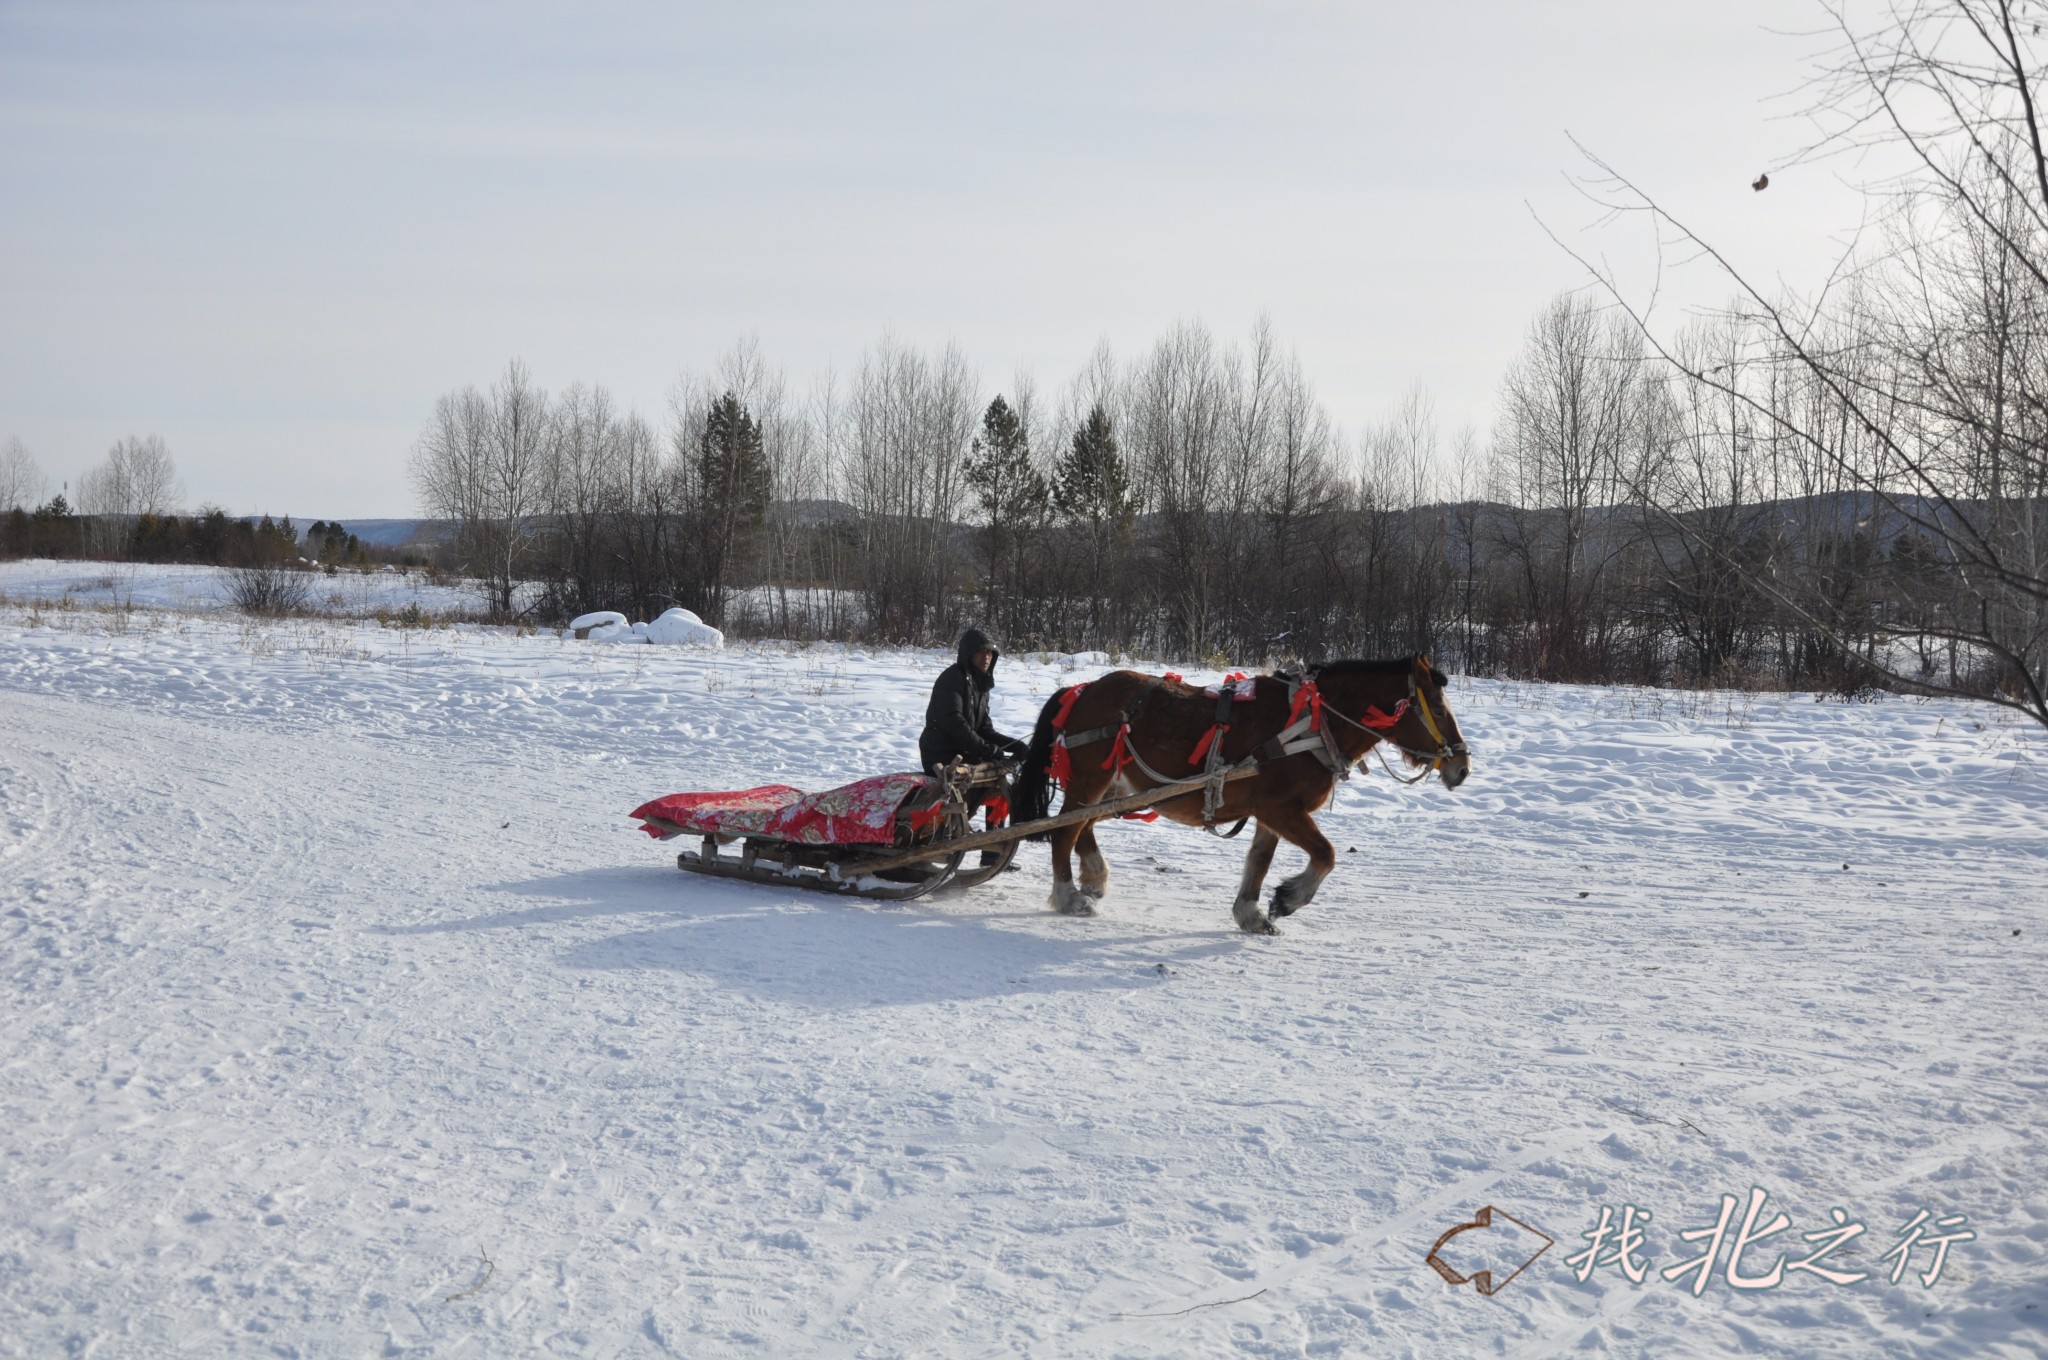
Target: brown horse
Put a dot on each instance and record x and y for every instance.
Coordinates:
(1273, 748)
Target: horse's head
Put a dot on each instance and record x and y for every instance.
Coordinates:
(1402, 704)
(1445, 751)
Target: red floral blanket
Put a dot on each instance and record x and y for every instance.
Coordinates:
(860, 813)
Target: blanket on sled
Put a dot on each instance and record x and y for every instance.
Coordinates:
(860, 813)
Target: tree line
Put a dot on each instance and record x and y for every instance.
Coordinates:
(127, 512)
(1197, 500)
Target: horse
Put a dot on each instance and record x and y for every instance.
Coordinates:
(1272, 748)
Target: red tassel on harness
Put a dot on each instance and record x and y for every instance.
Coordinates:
(1379, 721)
(924, 817)
(1208, 739)
(1066, 709)
(1120, 753)
(1311, 698)
(997, 810)
(1060, 768)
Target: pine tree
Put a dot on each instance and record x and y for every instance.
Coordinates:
(1091, 483)
(1092, 487)
(1009, 490)
(736, 485)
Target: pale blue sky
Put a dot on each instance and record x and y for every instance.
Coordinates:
(275, 233)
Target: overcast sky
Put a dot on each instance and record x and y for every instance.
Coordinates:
(275, 233)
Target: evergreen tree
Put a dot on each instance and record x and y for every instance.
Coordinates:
(1011, 494)
(1008, 489)
(736, 485)
(1091, 483)
(1092, 486)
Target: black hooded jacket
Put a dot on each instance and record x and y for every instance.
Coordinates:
(956, 721)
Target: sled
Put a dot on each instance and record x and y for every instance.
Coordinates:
(891, 837)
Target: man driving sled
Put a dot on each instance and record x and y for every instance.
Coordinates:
(956, 721)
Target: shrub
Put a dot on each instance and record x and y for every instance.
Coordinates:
(270, 590)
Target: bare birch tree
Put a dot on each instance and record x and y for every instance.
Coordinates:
(909, 420)
(487, 462)
(1936, 422)
(22, 483)
(1571, 422)
(139, 477)
(1176, 404)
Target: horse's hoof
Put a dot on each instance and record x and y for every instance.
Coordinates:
(1292, 896)
(1068, 900)
(1097, 891)
(1258, 925)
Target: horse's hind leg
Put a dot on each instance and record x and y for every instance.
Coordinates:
(1067, 899)
(1257, 860)
(1094, 868)
(1299, 828)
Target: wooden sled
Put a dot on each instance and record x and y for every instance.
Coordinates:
(783, 838)
(803, 844)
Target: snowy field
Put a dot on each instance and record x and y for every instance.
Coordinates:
(128, 585)
(344, 1013)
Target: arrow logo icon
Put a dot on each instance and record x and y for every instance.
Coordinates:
(1493, 1240)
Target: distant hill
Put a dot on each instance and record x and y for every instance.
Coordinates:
(388, 533)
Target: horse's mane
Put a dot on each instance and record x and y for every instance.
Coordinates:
(1396, 666)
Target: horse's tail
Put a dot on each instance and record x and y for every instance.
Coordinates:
(1031, 794)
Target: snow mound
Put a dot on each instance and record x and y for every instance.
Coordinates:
(674, 628)
(681, 628)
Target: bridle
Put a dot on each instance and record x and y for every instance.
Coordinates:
(1445, 749)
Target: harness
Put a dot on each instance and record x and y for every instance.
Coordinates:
(1121, 753)
(1304, 732)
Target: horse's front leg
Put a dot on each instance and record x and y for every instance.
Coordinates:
(1299, 828)
(1257, 860)
(1094, 868)
(1067, 899)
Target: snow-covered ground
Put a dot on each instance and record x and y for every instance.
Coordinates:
(343, 1012)
(131, 585)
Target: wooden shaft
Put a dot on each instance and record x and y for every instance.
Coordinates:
(1094, 812)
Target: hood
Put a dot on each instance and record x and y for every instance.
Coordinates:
(974, 640)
